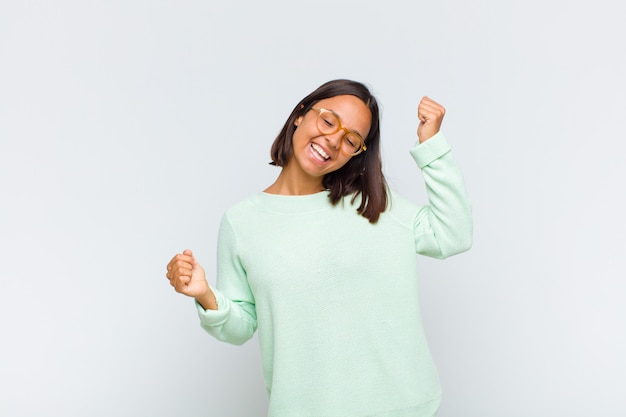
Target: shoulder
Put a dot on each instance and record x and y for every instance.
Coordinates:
(243, 206)
(400, 209)
(241, 211)
(238, 220)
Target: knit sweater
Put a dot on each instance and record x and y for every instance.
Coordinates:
(335, 297)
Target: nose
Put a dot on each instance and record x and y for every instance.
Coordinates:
(334, 139)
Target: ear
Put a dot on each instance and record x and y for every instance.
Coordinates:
(297, 121)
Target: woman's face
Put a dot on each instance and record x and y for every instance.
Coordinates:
(316, 154)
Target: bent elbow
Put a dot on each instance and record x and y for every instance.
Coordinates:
(236, 340)
(464, 244)
(462, 240)
(457, 245)
(232, 336)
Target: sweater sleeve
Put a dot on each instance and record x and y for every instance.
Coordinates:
(235, 320)
(444, 226)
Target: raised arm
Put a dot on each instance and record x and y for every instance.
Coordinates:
(444, 226)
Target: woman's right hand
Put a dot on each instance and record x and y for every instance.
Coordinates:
(187, 277)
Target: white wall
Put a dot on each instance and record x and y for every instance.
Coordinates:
(128, 127)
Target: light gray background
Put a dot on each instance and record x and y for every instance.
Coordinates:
(128, 127)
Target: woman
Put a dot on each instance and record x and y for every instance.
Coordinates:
(323, 261)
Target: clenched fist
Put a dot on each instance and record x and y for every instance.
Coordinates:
(430, 113)
(187, 277)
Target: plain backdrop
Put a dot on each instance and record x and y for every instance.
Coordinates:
(128, 127)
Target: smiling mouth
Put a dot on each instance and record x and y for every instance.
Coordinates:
(319, 153)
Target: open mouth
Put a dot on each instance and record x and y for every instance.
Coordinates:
(319, 153)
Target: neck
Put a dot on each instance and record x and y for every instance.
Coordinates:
(289, 184)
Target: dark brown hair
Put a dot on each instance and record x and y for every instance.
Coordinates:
(362, 175)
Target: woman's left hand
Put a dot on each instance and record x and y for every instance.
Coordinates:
(430, 113)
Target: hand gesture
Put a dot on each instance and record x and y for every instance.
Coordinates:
(187, 277)
(430, 114)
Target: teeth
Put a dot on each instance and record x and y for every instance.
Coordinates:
(320, 151)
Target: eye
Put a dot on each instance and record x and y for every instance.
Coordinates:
(328, 119)
(353, 141)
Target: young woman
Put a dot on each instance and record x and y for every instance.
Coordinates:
(323, 262)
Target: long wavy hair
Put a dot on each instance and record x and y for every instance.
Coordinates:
(362, 175)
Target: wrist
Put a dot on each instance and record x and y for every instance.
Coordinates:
(208, 300)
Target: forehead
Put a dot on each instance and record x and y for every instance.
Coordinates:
(352, 111)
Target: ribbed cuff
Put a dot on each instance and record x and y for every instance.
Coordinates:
(432, 149)
(214, 317)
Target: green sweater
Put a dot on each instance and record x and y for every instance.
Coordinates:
(335, 298)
